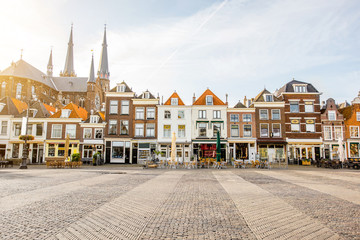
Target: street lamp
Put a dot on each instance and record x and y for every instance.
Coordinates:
(25, 153)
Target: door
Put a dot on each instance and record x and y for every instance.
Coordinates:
(271, 154)
(317, 153)
(127, 155)
(40, 155)
(134, 156)
(34, 154)
(252, 153)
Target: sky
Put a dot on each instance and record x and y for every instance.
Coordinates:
(234, 47)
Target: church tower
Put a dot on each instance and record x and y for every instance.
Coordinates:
(50, 66)
(103, 73)
(93, 95)
(69, 63)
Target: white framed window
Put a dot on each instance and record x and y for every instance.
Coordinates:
(87, 133)
(124, 128)
(181, 114)
(276, 130)
(300, 88)
(354, 131)
(125, 107)
(56, 130)
(247, 130)
(264, 114)
(174, 101)
(268, 98)
(17, 129)
(295, 125)
(234, 117)
(202, 129)
(98, 133)
(181, 131)
(167, 131)
(246, 117)
(264, 130)
(121, 88)
(113, 107)
(150, 130)
(216, 128)
(234, 130)
(202, 114)
(309, 106)
(147, 95)
(150, 113)
(71, 130)
(65, 113)
(294, 107)
(94, 119)
(337, 132)
(332, 115)
(358, 116)
(139, 113)
(310, 126)
(112, 127)
(18, 90)
(139, 130)
(209, 100)
(327, 133)
(217, 114)
(275, 114)
(4, 125)
(39, 129)
(167, 114)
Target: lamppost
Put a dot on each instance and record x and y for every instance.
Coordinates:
(25, 152)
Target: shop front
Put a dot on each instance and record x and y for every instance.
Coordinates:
(56, 149)
(118, 151)
(207, 149)
(36, 151)
(183, 151)
(89, 147)
(242, 150)
(353, 149)
(142, 151)
(304, 151)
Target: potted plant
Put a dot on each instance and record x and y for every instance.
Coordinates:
(96, 156)
(26, 137)
(75, 157)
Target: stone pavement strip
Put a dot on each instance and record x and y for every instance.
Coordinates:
(268, 216)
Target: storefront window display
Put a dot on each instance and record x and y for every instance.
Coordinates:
(354, 149)
(118, 150)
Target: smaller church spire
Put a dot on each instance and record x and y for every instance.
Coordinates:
(92, 72)
(103, 71)
(69, 63)
(50, 65)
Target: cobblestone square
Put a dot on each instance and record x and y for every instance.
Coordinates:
(112, 202)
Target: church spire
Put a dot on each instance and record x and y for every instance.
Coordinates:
(103, 71)
(50, 66)
(69, 63)
(92, 74)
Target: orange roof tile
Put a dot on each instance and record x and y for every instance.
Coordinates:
(102, 115)
(49, 108)
(174, 95)
(20, 106)
(202, 99)
(76, 112)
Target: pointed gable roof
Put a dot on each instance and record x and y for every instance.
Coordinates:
(202, 99)
(174, 95)
(76, 112)
(127, 88)
(43, 110)
(260, 97)
(240, 105)
(12, 106)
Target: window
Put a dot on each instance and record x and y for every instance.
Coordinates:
(167, 131)
(147, 95)
(300, 88)
(202, 114)
(354, 149)
(246, 117)
(276, 130)
(310, 125)
(112, 127)
(294, 107)
(216, 128)
(82, 102)
(118, 150)
(124, 128)
(263, 114)
(338, 132)
(87, 133)
(51, 150)
(295, 125)
(15, 150)
(327, 133)
(181, 114)
(247, 130)
(18, 91)
(181, 131)
(39, 129)
(174, 101)
(309, 106)
(139, 130)
(275, 114)
(121, 88)
(94, 119)
(202, 129)
(217, 114)
(139, 113)
(4, 125)
(234, 130)
(358, 116)
(17, 129)
(354, 131)
(29, 129)
(332, 115)
(113, 106)
(234, 117)
(98, 133)
(150, 130)
(268, 98)
(71, 130)
(56, 130)
(125, 107)
(150, 113)
(209, 100)
(264, 130)
(167, 114)
(65, 113)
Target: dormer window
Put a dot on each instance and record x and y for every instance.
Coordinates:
(94, 119)
(300, 88)
(209, 100)
(65, 113)
(174, 101)
(147, 95)
(268, 98)
(121, 88)
(33, 112)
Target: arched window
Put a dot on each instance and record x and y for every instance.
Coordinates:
(97, 102)
(3, 89)
(81, 102)
(18, 90)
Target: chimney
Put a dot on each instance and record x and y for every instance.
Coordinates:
(162, 100)
(245, 102)
(226, 97)
(194, 98)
